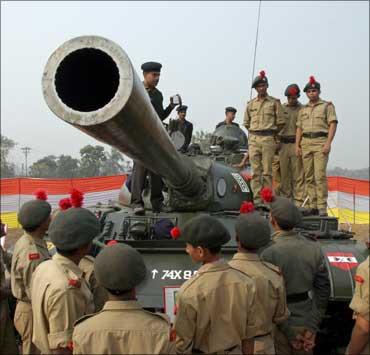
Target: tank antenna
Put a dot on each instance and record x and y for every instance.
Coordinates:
(255, 44)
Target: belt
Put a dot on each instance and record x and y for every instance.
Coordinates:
(197, 351)
(287, 139)
(314, 134)
(265, 132)
(297, 297)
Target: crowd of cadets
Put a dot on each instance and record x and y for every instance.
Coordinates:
(270, 298)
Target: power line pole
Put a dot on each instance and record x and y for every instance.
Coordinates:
(26, 151)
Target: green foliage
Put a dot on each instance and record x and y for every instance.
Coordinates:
(68, 167)
(114, 163)
(92, 160)
(202, 138)
(7, 168)
(45, 167)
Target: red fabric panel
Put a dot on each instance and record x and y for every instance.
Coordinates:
(347, 185)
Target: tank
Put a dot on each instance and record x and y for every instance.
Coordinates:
(89, 82)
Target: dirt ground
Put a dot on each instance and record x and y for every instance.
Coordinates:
(361, 233)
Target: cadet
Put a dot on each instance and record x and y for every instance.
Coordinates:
(182, 125)
(291, 168)
(214, 307)
(230, 113)
(151, 73)
(276, 169)
(59, 293)
(317, 124)
(8, 343)
(253, 232)
(29, 252)
(360, 304)
(264, 120)
(303, 267)
(123, 326)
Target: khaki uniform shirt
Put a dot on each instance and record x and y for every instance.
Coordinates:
(28, 254)
(270, 304)
(122, 327)
(360, 302)
(100, 295)
(316, 117)
(60, 295)
(291, 114)
(215, 310)
(265, 114)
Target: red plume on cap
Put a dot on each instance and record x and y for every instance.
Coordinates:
(175, 232)
(312, 80)
(65, 203)
(112, 242)
(41, 194)
(293, 91)
(77, 197)
(262, 74)
(246, 207)
(267, 195)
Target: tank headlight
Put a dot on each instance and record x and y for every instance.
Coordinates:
(221, 187)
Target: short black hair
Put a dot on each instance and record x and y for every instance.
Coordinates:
(66, 252)
(214, 250)
(30, 229)
(284, 225)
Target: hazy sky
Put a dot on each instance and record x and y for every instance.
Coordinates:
(206, 49)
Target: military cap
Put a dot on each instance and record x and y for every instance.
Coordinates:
(182, 108)
(33, 213)
(119, 268)
(292, 90)
(73, 228)
(285, 212)
(230, 109)
(252, 230)
(151, 66)
(312, 84)
(205, 231)
(260, 79)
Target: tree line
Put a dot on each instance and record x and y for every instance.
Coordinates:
(93, 161)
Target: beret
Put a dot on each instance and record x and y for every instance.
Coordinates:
(73, 228)
(260, 79)
(205, 231)
(253, 230)
(119, 268)
(285, 212)
(151, 66)
(312, 84)
(230, 109)
(182, 108)
(292, 90)
(33, 213)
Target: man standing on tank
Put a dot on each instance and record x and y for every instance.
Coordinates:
(151, 73)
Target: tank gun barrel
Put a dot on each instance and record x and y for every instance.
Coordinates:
(90, 83)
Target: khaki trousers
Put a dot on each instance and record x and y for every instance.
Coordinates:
(261, 155)
(8, 344)
(282, 344)
(23, 323)
(314, 166)
(276, 174)
(292, 175)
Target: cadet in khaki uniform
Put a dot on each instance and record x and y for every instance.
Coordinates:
(276, 170)
(215, 307)
(253, 232)
(264, 120)
(8, 343)
(304, 270)
(316, 127)
(123, 326)
(360, 304)
(291, 167)
(59, 293)
(29, 252)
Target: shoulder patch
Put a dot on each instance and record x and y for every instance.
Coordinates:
(359, 279)
(33, 256)
(75, 283)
